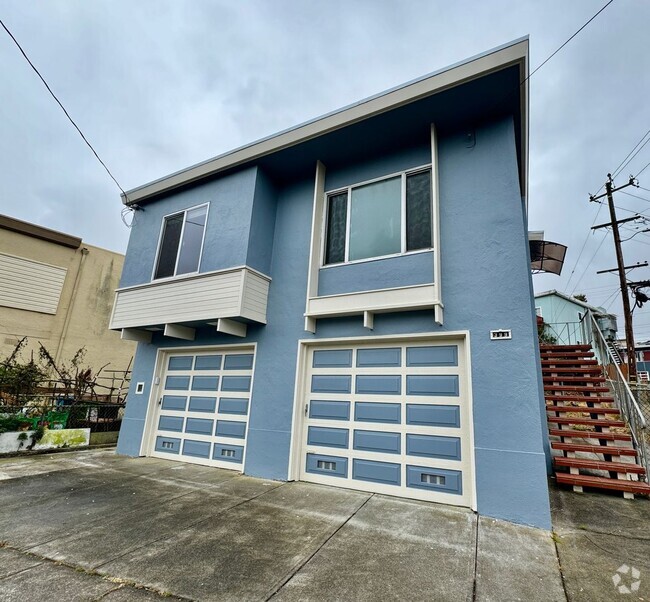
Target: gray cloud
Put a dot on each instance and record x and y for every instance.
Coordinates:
(157, 86)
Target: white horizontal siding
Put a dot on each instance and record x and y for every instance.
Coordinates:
(30, 285)
(256, 294)
(205, 297)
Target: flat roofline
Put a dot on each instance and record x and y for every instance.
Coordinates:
(54, 236)
(512, 53)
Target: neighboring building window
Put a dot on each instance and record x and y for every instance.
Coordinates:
(380, 218)
(181, 243)
(538, 311)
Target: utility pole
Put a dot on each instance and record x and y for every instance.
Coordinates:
(629, 332)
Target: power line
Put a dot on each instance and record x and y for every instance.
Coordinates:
(588, 264)
(90, 146)
(627, 161)
(636, 196)
(646, 167)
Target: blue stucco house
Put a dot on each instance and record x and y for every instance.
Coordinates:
(349, 302)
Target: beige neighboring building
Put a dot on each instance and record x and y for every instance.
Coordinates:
(59, 291)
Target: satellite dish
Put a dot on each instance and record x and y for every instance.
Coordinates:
(546, 256)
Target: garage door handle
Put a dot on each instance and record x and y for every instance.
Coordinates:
(160, 401)
(306, 409)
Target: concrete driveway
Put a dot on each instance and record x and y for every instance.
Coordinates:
(92, 525)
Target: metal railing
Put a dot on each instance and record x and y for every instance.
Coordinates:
(565, 333)
(619, 386)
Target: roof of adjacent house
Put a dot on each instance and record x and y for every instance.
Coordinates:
(54, 236)
(598, 310)
(514, 53)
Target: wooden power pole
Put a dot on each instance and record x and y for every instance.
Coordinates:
(629, 331)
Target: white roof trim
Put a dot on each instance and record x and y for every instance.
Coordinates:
(472, 68)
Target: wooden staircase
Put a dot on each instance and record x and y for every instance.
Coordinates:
(592, 444)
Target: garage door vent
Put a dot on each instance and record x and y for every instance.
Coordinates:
(432, 479)
(228, 453)
(324, 465)
(167, 444)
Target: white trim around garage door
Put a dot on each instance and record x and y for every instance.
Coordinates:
(297, 432)
(162, 353)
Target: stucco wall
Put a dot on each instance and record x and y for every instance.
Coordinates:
(486, 284)
(83, 313)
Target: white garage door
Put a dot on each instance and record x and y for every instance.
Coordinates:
(202, 411)
(389, 418)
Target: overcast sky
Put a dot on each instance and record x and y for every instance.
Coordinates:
(157, 86)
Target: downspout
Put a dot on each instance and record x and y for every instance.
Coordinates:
(68, 314)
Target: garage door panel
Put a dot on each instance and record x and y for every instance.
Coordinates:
(432, 356)
(390, 357)
(433, 446)
(195, 422)
(389, 418)
(368, 411)
(433, 385)
(378, 384)
(329, 410)
(433, 415)
(377, 441)
(202, 404)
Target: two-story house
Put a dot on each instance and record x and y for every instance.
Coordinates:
(349, 302)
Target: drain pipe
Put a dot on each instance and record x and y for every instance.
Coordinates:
(73, 298)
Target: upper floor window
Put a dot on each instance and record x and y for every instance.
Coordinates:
(181, 243)
(380, 218)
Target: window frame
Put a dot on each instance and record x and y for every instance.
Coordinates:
(403, 234)
(160, 240)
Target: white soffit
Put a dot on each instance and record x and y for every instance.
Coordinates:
(509, 54)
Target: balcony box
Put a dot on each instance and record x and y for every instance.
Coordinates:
(227, 296)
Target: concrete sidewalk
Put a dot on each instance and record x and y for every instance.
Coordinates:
(92, 525)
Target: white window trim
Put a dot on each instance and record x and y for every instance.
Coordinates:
(178, 252)
(348, 190)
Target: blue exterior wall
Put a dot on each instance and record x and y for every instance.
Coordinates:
(484, 258)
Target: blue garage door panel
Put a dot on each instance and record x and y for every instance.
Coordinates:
(335, 358)
(331, 466)
(367, 411)
(239, 362)
(202, 404)
(236, 383)
(228, 453)
(171, 423)
(180, 362)
(442, 355)
(233, 405)
(174, 402)
(329, 410)
(433, 415)
(377, 472)
(327, 437)
(433, 446)
(437, 479)
(325, 383)
(229, 428)
(434, 385)
(199, 426)
(387, 443)
(379, 385)
(198, 449)
(169, 445)
(205, 383)
(207, 362)
(375, 358)
(177, 383)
